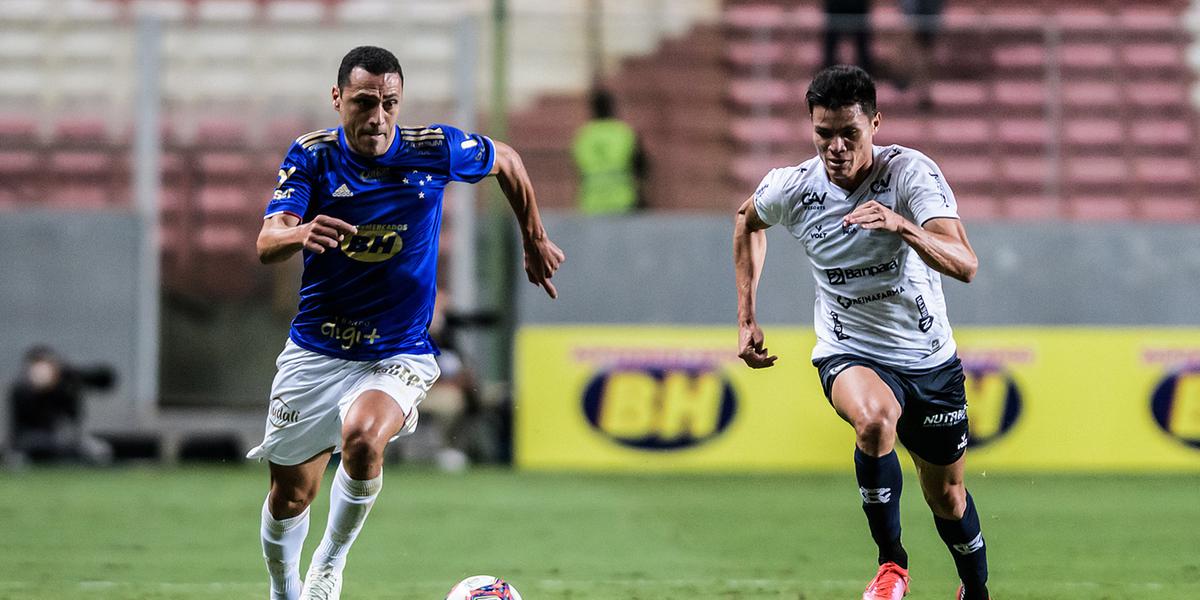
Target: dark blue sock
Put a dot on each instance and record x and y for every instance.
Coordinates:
(880, 482)
(965, 540)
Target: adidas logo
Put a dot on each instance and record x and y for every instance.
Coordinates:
(343, 192)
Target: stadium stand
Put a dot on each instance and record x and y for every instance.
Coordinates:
(240, 80)
(1077, 110)
(1045, 109)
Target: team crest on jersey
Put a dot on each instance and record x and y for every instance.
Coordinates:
(882, 185)
(374, 243)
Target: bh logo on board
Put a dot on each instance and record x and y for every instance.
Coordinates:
(1175, 404)
(994, 399)
(659, 407)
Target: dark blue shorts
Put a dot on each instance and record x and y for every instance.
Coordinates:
(933, 402)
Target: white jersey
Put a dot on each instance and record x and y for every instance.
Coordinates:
(876, 298)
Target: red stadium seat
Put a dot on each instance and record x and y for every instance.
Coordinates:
(1152, 56)
(1165, 171)
(224, 201)
(1105, 170)
(978, 207)
(1169, 209)
(1033, 207)
(1091, 94)
(1158, 94)
(1094, 132)
(1100, 208)
(1025, 133)
(1162, 135)
(962, 132)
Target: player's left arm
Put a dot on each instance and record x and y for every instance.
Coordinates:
(941, 242)
(542, 257)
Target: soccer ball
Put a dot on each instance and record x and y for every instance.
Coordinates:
(483, 587)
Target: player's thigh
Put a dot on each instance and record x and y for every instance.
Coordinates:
(385, 396)
(942, 486)
(862, 398)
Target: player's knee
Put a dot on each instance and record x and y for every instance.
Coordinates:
(876, 428)
(947, 501)
(289, 501)
(363, 445)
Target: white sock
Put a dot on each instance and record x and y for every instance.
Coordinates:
(349, 502)
(282, 542)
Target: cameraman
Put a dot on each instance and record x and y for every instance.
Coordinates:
(47, 416)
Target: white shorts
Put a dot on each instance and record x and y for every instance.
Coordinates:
(312, 393)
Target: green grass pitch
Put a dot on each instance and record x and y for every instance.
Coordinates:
(193, 533)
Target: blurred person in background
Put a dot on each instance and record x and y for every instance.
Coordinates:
(47, 410)
(924, 17)
(362, 203)
(848, 18)
(610, 161)
(880, 227)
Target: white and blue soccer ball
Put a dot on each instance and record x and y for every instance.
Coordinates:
(483, 587)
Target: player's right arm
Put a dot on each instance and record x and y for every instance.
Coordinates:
(283, 235)
(749, 252)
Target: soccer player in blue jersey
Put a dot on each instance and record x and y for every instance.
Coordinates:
(363, 203)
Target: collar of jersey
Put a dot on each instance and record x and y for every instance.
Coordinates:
(874, 168)
(361, 159)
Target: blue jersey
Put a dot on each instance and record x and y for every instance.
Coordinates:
(373, 297)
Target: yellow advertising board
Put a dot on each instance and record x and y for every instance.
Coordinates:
(679, 399)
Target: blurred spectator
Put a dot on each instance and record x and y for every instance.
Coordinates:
(610, 160)
(47, 410)
(924, 18)
(457, 427)
(848, 17)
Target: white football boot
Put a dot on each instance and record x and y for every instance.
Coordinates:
(322, 583)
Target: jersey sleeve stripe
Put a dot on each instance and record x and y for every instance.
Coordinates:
(331, 137)
(315, 134)
(282, 212)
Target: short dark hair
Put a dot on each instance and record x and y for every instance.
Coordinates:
(840, 86)
(373, 59)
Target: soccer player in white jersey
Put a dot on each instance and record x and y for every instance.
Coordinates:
(363, 203)
(879, 226)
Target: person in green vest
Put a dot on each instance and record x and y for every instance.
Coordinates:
(610, 161)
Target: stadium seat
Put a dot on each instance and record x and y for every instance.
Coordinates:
(1093, 94)
(1023, 134)
(1102, 170)
(1158, 95)
(1161, 171)
(224, 11)
(904, 131)
(224, 201)
(1015, 97)
(1100, 208)
(1094, 132)
(978, 207)
(1162, 135)
(1174, 209)
(962, 133)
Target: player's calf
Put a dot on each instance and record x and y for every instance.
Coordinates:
(964, 538)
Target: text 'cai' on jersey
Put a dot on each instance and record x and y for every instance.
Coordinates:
(373, 297)
(875, 296)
